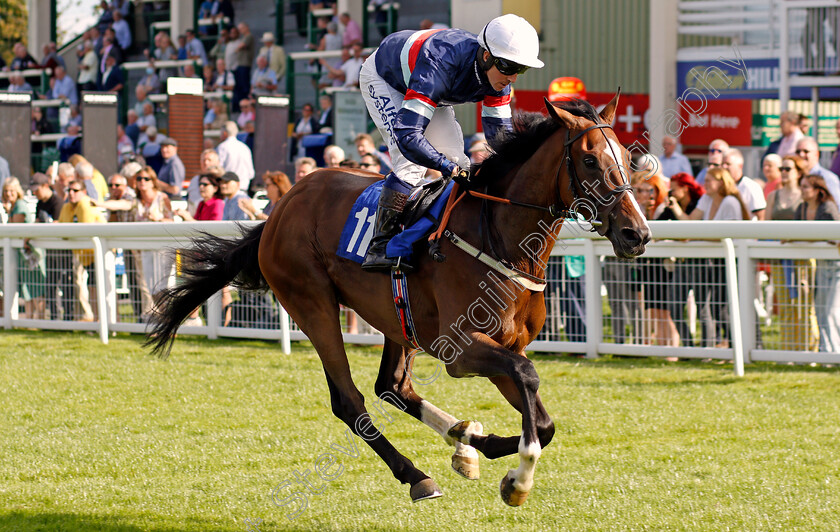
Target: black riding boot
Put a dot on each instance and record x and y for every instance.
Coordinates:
(387, 225)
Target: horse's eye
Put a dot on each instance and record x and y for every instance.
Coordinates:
(590, 162)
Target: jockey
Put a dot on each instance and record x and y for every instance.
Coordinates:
(409, 85)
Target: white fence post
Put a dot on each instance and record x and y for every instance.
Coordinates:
(9, 283)
(286, 340)
(734, 307)
(214, 315)
(594, 320)
(111, 301)
(99, 272)
(748, 276)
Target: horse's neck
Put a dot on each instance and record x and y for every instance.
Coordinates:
(525, 236)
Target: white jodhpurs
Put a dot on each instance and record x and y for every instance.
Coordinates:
(383, 102)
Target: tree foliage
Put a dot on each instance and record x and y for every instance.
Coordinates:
(13, 25)
(63, 7)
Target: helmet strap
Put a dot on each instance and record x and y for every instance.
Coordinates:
(484, 64)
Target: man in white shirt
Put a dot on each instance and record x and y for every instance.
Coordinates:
(674, 162)
(235, 156)
(87, 67)
(751, 192)
(346, 75)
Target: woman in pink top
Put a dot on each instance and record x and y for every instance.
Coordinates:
(211, 206)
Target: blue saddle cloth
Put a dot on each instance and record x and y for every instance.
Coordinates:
(358, 229)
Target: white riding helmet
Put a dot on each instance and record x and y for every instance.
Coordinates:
(511, 37)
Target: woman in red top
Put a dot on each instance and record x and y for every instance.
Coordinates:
(211, 206)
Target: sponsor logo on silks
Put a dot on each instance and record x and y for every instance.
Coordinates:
(387, 111)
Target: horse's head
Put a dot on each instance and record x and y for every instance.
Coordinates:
(593, 180)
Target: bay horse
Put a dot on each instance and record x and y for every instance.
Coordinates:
(467, 315)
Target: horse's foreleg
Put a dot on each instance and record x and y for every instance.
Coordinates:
(488, 359)
(545, 426)
(394, 385)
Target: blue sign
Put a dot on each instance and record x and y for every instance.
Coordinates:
(737, 79)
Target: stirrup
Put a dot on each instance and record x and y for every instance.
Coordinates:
(400, 266)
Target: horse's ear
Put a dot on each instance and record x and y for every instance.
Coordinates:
(558, 113)
(608, 112)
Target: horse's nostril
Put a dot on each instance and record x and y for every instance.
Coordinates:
(633, 237)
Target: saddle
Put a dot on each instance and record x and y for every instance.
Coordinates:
(422, 198)
(423, 209)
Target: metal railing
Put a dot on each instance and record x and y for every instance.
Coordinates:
(750, 22)
(717, 289)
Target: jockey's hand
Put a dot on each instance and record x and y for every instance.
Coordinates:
(462, 176)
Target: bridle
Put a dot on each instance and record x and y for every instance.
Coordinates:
(559, 209)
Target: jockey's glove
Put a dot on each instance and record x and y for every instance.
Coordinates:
(462, 176)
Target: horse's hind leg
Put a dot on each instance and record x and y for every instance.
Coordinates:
(321, 325)
(394, 385)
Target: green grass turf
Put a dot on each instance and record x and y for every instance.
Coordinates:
(109, 438)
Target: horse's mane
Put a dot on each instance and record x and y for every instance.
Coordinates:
(530, 130)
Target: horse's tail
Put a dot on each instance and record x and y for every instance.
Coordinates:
(208, 266)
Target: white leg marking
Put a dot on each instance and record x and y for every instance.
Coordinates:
(436, 418)
(441, 422)
(523, 476)
(466, 451)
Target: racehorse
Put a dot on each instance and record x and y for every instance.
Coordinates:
(466, 314)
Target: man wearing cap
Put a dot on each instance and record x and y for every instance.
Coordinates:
(49, 204)
(229, 187)
(172, 173)
(275, 55)
(413, 79)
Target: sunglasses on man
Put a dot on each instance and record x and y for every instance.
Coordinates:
(504, 66)
(509, 68)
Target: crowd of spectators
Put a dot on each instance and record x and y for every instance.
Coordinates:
(651, 298)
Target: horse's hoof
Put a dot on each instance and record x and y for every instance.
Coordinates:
(510, 495)
(466, 466)
(425, 489)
